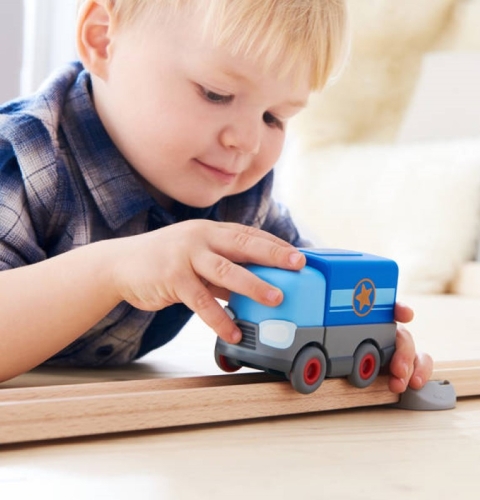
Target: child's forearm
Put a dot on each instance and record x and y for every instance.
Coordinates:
(46, 306)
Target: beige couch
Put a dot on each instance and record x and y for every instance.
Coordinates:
(360, 173)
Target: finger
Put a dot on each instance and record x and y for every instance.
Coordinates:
(223, 273)
(218, 292)
(401, 365)
(403, 313)
(254, 231)
(422, 370)
(246, 244)
(199, 299)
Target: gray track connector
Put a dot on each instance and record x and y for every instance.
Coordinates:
(434, 395)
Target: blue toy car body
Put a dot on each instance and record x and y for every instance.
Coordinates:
(336, 319)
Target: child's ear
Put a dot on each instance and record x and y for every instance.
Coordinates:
(94, 28)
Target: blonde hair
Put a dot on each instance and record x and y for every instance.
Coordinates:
(295, 36)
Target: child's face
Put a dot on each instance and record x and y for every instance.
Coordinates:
(195, 122)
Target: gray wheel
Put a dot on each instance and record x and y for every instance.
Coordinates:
(308, 370)
(366, 365)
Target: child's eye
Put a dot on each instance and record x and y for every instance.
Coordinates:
(216, 98)
(272, 121)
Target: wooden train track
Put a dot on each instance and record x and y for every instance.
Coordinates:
(53, 412)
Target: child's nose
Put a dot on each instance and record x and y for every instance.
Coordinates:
(243, 136)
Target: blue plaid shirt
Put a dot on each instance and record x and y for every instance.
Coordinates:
(64, 184)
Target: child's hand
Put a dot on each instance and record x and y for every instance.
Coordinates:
(407, 367)
(195, 261)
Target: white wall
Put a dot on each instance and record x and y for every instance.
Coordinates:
(11, 35)
(49, 39)
(36, 36)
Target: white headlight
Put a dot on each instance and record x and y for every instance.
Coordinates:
(277, 333)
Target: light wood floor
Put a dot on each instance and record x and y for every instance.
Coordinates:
(372, 453)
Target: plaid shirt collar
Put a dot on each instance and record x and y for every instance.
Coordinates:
(111, 181)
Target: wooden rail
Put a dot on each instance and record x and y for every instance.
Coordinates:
(52, 412)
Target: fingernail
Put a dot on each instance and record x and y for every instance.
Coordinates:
(418, 381)
(236, 336)
(295, 258)
(273, 295)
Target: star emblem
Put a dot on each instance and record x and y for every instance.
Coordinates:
(363, 297)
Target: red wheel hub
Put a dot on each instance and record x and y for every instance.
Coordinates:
(312, 371)
(226, 365)
(367, 366)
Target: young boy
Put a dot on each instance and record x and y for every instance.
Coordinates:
(135, 183)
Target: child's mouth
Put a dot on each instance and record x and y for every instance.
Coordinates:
(218, 173)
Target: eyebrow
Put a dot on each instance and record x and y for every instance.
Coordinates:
(297, 104)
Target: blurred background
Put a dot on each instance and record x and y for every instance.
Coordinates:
(386, 160)
(11, 41)
(36, 36)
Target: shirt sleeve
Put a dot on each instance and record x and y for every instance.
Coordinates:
(18, 241)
